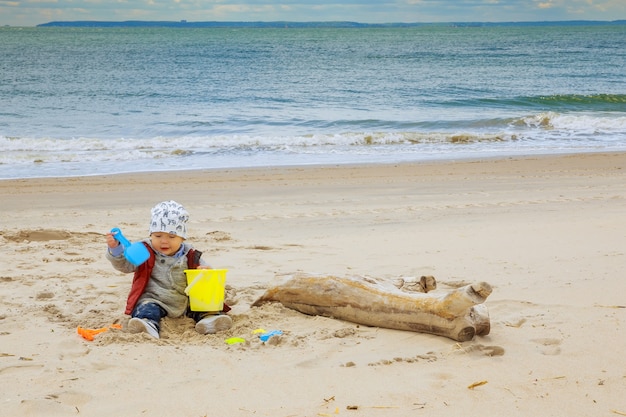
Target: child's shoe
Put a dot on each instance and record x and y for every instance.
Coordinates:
(214, 324)
(137, 325)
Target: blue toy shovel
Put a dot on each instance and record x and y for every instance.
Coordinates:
(136, 253)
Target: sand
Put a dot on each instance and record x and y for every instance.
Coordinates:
(546, 232)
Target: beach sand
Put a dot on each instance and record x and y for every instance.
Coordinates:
(547, 233)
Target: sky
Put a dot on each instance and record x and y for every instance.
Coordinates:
(34, 12)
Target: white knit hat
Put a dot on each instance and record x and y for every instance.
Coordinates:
(169, 217)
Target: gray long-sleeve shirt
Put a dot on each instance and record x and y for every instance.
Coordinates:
(167, 283)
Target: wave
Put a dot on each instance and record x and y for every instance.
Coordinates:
(541, 129)
(555, 102)
(613, 124)
(31, 150)
(594, 102)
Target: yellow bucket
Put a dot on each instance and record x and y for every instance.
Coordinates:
(205, 288)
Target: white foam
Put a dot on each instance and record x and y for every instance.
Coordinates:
(541, 132)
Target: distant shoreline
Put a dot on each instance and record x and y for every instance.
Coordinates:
(337, 24)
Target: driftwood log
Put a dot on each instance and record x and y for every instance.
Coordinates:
(395, 304)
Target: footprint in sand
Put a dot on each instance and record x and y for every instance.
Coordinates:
(548, 346)
(219, 236)
(63, 403)
(55, 314)
(482, 350)
(41, 235)
(428, 357)
(44, 295)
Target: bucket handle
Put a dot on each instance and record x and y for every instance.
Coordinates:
(192, 284)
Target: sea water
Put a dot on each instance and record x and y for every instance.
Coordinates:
(86, 101)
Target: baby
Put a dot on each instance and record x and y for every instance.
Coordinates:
(158, 287)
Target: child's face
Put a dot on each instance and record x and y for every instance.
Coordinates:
(166, 243)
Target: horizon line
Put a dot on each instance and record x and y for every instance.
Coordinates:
(346, 23)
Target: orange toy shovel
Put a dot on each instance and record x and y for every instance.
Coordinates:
(89, 334)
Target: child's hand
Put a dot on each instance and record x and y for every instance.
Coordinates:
(204, 267)
(111, 241)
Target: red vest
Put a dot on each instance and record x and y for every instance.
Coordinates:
(142, 276)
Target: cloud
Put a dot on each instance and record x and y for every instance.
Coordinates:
(546, 5)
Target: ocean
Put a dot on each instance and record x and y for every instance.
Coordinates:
(88, 101)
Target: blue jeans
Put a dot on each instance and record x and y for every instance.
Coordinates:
(154, 313)
(150, 311)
